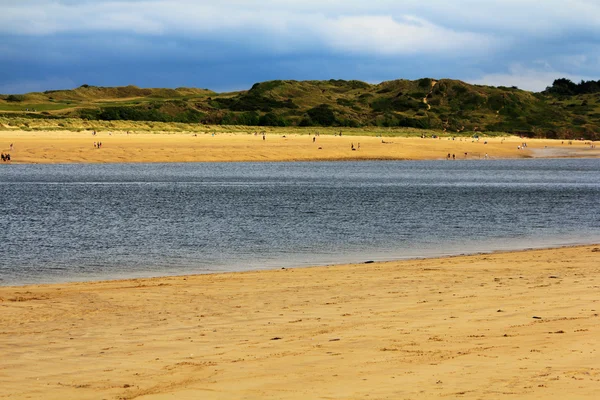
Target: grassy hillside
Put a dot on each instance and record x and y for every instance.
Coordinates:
(562, 111)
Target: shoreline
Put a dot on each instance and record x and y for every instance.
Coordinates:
(184, 273)
(503, 325)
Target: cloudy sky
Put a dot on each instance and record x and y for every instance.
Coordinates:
(227, 45)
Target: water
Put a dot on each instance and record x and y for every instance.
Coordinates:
(80, 222)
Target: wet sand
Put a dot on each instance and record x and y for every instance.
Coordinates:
(516, 325)
(78, 147)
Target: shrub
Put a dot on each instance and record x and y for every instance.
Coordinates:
(345, 102)
(15, 98)
(306, 121)
(322, 115)
(424, 83)
(252, 101)
(271, 119)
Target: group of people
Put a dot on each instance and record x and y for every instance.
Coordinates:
(97, 145)
(453, 156)
(6, 157)
(256, 134)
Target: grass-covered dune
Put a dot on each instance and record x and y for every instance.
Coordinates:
(564, 110)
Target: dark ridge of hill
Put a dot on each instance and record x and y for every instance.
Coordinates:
(88, 93)
(562, 111)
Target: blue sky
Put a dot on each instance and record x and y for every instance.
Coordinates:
(228, 45)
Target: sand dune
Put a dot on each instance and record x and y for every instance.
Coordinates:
(522, 325)
(73, 147)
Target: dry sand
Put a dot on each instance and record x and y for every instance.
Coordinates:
(522, 325)
(72, 147)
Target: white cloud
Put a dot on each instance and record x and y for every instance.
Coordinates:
(469, 35)
(526, 78)
(516, 16)
(409, 35)
(285, 25)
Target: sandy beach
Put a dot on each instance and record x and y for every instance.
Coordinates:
(78, 147)
(518, 325)
(521, 325)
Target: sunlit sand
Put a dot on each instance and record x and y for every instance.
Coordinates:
(78, 147)
(507, 325)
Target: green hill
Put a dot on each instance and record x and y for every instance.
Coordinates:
(564, 110)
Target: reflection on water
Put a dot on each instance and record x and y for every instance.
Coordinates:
(72, 222)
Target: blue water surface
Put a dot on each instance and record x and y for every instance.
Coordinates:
(102, 221)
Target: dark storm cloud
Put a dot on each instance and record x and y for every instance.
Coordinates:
(232, 44)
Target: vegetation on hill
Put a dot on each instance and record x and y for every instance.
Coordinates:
(566, 87)
(563, 110)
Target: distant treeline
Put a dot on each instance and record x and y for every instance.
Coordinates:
(151, 112)
(566, 87)
(322, 115)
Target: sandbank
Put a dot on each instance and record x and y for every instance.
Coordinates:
(515, 325)
(121, 147)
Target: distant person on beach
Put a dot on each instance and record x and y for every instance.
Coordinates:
(2, 157)
(454, 156)
(314, 139)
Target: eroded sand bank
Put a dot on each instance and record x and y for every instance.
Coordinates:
(78, 147)
(521, 325)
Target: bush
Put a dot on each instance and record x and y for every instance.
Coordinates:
(271, 119)
(141, 113)
(306, 121)
(322, 115)
(252, 101)
(250, 118)
(15, 98)
(424, 83)
(399, 104)
(345, 102)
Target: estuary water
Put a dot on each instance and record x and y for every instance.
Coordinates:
(72, 222)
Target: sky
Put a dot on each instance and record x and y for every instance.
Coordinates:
(228, 45)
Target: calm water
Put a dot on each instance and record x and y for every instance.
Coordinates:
(75, 222)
